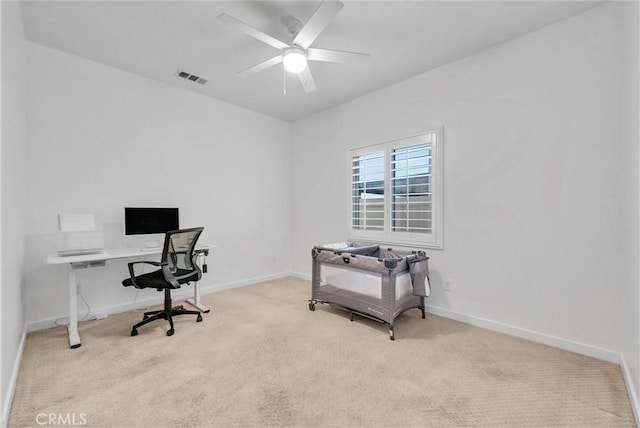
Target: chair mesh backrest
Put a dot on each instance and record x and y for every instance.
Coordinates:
(179, 246)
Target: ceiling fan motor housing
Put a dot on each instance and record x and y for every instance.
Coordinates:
(293, 27)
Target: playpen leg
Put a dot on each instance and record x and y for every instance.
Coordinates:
(391, 333)
(422, 305)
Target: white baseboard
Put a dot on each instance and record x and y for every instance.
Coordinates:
(631, 389)
(534, 336)
(557, 342)
(180, 294)
(300, 275)
(11, 387)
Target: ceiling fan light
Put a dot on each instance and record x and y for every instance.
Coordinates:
(294, 60)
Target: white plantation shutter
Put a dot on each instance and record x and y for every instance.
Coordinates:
(367, 178)
(396, 191)
(410, 189)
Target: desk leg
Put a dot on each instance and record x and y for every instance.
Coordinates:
(195, 301)
(74, 336)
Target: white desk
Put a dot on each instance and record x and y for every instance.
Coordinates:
(100, 259)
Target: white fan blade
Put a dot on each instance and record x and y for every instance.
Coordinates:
(327, 55)
(257, 34)
(262, 66)
(323, 15)
(307, 80)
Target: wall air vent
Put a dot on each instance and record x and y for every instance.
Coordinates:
(192, 77)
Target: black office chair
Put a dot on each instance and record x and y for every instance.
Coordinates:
(178, 266)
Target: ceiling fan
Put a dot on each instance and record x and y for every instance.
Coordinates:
(295, 55)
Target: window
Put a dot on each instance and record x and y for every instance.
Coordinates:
(396, 191)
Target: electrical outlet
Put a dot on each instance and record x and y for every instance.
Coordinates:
(447, 285)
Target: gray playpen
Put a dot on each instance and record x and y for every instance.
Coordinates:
(369, 280)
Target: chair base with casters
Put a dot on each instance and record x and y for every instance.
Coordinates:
(167, 313)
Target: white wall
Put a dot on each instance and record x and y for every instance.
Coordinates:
(631, 152)
(533, 154)
(101, 139)
(13, 176)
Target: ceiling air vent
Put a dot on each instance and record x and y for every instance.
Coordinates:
(191, 77)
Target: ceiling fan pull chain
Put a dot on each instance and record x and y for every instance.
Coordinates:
(284, 81)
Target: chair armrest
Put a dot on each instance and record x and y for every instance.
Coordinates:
(132, 273)
(174, 279)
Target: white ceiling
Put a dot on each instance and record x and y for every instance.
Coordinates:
(155, 39)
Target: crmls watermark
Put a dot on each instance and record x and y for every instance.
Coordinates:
(53, 419)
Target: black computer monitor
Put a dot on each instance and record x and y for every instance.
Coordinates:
(149, 221)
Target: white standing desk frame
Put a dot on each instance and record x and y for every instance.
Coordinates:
(99, 259)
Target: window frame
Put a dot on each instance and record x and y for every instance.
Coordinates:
(435, 239)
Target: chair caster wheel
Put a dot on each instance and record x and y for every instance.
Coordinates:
(134, 332)
(170, 332)
(199, 319)
(312, 306)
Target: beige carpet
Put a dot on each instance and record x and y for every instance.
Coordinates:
(261, 358)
